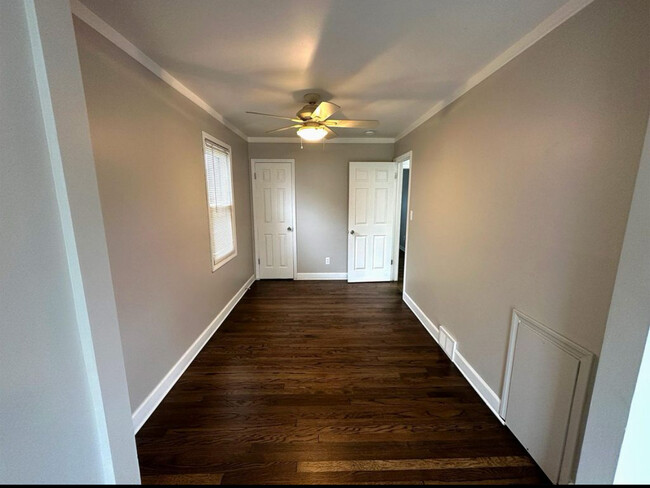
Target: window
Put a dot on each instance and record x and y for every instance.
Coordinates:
(221, 206)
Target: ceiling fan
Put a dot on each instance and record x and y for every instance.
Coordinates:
(313, 120)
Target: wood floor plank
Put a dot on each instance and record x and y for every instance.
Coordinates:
(443, 476)
(183, 479)
(298, 387)
(413, 464)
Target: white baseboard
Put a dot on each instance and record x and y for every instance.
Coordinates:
(321, 276)
(490, 398)
(428, 324)
(152, 401)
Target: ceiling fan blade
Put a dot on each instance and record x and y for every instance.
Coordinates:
(330, 133)
(283, 128)
(324, 111)
(276, 116)
(357, 124)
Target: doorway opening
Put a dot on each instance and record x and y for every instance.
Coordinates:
(404, 181)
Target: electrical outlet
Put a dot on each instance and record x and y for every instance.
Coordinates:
(327, 260)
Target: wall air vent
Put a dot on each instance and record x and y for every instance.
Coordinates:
(447, 343)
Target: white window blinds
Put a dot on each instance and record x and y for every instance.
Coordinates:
(220, 202)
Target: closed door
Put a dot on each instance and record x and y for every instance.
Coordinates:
(274, 226)
(371, 218)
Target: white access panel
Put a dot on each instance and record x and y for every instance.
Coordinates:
(371, 221)
(544, 392)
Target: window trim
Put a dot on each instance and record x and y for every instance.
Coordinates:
(228, 257)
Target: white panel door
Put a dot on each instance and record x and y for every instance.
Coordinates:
(274, 224)
(371, 218)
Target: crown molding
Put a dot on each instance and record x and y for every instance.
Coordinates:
(93, 20)
(340, 140)
(561, 15)
(558, 17)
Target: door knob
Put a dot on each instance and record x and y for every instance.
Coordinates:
(289, 229)
(352, 232)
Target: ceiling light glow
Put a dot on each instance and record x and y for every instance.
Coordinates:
(312, 134)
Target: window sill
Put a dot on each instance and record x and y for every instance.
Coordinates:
(228, 258)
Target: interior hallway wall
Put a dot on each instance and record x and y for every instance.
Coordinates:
(40, 348)
(619, 378)
(149, 156)
(64, 409)
(522, 187)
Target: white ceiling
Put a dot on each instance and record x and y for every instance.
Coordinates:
(391, 60)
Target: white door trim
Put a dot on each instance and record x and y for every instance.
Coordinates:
(293, 200)
(407, 156)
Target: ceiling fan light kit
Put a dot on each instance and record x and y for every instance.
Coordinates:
(312, 134)
(312, 120)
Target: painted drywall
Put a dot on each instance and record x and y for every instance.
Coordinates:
(404, 208)
(149, 158)
(521, 188)
(633, 465)
(322, 197)
(68, 134)
(56, 424)
(622, 352)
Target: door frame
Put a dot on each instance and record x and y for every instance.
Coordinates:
(407, 156)
(256, 246)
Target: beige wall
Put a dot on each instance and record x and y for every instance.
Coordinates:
(48, 428)
(148, 152)
(322, 197)
(521, 188)
(624, 350)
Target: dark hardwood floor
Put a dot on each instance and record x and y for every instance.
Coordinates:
(326, 382)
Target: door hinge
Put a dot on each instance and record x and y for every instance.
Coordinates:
(395, 174)
(258, 261)
(255, 175)
(391, 262)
